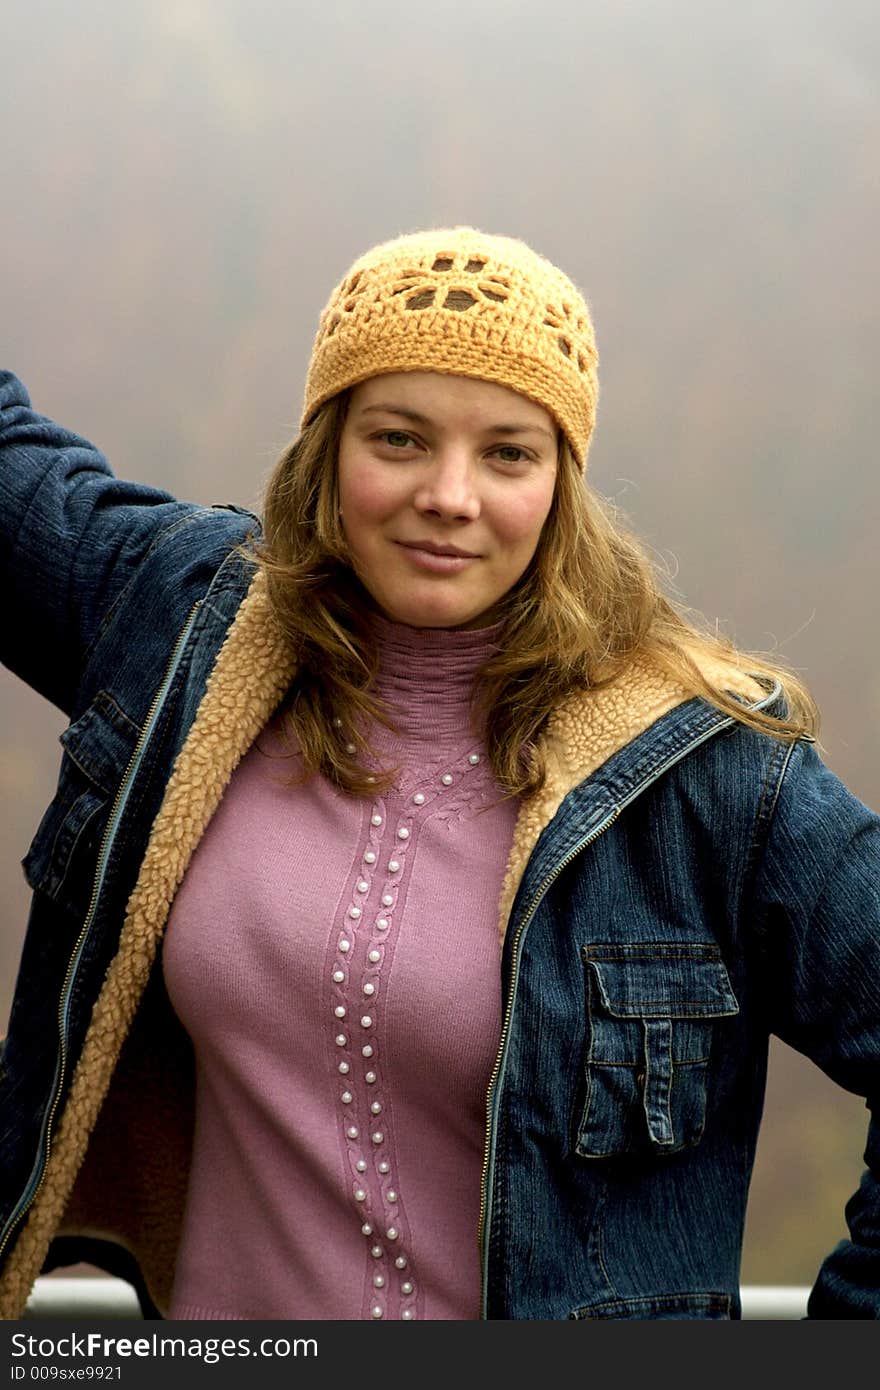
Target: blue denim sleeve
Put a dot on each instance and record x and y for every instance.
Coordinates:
(71, 534)
(818, 909)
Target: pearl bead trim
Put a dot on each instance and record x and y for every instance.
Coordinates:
(361, 955)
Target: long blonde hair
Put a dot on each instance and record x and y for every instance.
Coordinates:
(589, 603)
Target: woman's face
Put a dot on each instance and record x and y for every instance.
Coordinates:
(444, 485)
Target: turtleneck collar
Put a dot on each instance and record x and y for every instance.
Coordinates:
(426, 676)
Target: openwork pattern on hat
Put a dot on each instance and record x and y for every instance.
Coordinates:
(461, 283)
(462, 301)
(451, 285)
(570, 323)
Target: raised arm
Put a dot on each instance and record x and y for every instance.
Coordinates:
(71, 534)
(819, 917)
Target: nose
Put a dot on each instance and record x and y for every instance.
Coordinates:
(449, 488)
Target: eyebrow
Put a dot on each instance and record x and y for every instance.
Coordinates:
(419, 419)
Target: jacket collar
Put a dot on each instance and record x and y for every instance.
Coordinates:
(593, 802)
(587, 732)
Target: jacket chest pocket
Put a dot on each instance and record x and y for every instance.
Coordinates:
(652, 1012)
(97, 749)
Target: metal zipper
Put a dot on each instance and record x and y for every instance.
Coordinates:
(35, 1182)
(532, 908)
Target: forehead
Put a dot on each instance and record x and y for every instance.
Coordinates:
(441, 395)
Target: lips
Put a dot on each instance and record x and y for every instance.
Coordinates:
(431, 558)
(432, 548)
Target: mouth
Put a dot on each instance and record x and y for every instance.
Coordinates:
(432, 548)
(431, 558)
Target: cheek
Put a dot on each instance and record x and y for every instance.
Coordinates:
(363, 500)
(519, 525)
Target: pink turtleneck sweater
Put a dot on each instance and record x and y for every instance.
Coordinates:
(336, 964)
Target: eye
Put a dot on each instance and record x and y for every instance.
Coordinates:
(508, 449)
(393, 438)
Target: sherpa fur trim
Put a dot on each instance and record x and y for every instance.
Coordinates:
(251, 674)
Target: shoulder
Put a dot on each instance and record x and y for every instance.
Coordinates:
(201, 534)
(816, 817)
(591, 726)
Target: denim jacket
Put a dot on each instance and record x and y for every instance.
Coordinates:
(683, 888)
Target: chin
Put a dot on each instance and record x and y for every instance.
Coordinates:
(452, 621)
(417, 615)
(415, 619)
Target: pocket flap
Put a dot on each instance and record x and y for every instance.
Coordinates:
(97, 749)
(100, 742)
(661, 980)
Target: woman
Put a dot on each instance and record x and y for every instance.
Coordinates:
(319, 783)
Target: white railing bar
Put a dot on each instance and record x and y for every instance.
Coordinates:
(104, 1297)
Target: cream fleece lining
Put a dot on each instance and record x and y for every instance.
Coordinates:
(252, 672)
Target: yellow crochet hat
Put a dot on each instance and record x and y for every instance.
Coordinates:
(461, 301)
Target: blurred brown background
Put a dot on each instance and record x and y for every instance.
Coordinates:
(183, 183)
